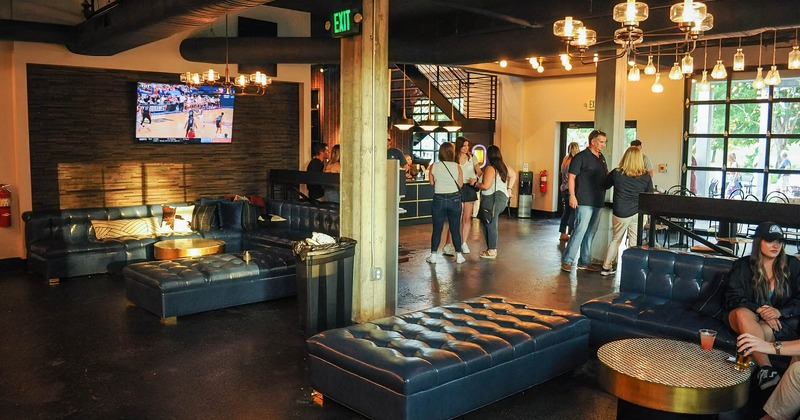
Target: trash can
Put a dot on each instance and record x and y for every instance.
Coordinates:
(324, 284)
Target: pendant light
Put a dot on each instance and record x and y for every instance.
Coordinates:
(759, 83)
(452, 126)
(404, 123)
(719, 71)
(657, 87)
(675, 72)
(650, 69)
(794, 54)
(687, 64)
(633, 73)
(773, 76)
(430, 124)
(738, 58)
(704, 86)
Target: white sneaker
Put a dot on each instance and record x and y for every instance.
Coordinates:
(464, 248)
(460, 259)
(448, 250)
(431, 259)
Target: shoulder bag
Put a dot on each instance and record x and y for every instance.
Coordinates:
(462, 191)
(486, 214)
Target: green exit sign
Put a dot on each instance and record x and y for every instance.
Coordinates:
(344, 23)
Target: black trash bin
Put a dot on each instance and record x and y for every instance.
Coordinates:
(324, 284)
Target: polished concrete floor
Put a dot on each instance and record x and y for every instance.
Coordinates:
(80, 350)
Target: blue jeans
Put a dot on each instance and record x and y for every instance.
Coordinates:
(446, 207)
(500, 201)
(586, 220)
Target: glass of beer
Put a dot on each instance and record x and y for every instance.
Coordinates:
(742, 362)
(707, 338)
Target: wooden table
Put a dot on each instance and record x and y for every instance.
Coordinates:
(188, 247)
(672, 377)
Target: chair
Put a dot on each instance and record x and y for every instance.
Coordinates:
(688, 224)
(713, 188)
(746, 182)
(776, 197)
(736, 194)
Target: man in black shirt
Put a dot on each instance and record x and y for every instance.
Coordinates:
(319, 153)
(586, 191)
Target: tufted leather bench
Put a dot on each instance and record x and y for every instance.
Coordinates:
(445, 361)
(186, 286)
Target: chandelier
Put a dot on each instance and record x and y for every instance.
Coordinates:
(243, 85)
(690, 16)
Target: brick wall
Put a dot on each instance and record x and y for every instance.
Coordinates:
(84, 153)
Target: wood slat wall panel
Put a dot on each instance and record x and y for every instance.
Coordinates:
(84, 154)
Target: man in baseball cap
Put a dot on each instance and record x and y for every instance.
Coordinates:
(769, 231)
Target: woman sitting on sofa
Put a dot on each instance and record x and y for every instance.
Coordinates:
(762, 296)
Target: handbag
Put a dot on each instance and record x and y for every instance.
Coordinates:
(486, 214)
(468, 193)
(461, 190)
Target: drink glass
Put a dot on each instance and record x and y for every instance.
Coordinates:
(707, 338)
(742, 362)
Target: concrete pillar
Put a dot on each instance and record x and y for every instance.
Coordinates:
(364, 98)
(609, 117)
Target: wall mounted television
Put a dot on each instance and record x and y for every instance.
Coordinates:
(177, 113)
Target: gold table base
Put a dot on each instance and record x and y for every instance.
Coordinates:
(172, 249)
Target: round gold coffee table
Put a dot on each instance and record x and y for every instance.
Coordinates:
(188, 247)
(670, 376)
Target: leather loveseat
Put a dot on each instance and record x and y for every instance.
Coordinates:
(663, 294)
(63, 243)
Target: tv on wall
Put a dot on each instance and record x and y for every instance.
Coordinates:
(177, 113)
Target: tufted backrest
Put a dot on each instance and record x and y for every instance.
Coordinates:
(668, 274)
(306, 217)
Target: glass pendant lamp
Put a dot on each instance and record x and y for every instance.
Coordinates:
(738, 58)
(633, 74)
(773, 76)
(687, 64)
(759, 83)
(719, 71)
(657, 87)
(650, 69)
(794, 54)
(675, 72)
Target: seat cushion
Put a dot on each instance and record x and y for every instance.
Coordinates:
(55, 248)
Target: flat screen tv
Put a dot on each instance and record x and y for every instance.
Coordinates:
(177, 113)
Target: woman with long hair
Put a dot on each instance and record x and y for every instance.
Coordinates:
(568, 216)
(629, 179)
(333, 166)
(495, 185)
(762, 296)
(471, 171)
(446, 178)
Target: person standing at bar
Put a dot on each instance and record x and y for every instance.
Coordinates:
(496, 184)
(471, 171)
(320, 154)
(446, 178)
(586, 184)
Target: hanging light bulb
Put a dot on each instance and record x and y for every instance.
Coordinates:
(503, 63)
(704, 86)
(687, 64)
(534, 62)
(738, 58)
(596, 58)
(650, 69)
(759, 83)
(633, 74)
(405, 123)
(794, 54)
(773, 76)
(719, 71)
(540, 68)
(675, 72)
(430, 124)
(657, 86)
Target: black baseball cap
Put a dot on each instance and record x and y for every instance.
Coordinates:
(769, 231)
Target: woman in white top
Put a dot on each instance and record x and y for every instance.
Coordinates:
(446, 178)
(471, 171)
(496, 185)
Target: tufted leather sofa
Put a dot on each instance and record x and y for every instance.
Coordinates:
(181, 287)
(663, 294)
(63, 243)
(445, 361)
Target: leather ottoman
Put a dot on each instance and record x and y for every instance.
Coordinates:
(442, 362)
(186, 286)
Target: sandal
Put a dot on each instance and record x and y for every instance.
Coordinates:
(487, 254)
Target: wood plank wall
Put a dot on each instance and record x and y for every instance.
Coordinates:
(84, 153)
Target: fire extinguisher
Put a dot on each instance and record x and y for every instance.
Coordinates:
(543, 182)
(5, 206)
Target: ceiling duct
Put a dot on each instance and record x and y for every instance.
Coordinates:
(131, 24)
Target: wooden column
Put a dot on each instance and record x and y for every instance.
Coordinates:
(609, 117)
(364, 95)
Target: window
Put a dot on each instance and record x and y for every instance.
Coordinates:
(744, 141)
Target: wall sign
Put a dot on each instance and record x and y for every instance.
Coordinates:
(344, 23)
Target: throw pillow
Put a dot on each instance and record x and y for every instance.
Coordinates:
(230, 214)
(257, 200)
(712, 297)
(168, 216)
(183, 219)
(204, 218)
(250, 213)
(113, 229)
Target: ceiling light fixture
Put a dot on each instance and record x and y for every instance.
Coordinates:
(704, 86)
(650, 69)
(404, 123)
(758, 82)
(657, 87)
(773, 76)
(691, 17)
(738, 58)
(794, 54)
(243, 85)
(719, 71)
(675, 72)
(430, 124)
(451, 126)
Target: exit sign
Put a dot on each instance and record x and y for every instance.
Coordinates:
(344, 23)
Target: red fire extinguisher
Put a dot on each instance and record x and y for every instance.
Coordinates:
(543, 182)
(5, 206)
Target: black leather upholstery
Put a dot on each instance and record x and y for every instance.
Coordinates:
(445, 361)
(187, 286)
(657, 292)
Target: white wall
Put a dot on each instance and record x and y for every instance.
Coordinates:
(160, 56)
(530, 111)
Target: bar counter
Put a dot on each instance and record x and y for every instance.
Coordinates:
(417, 203)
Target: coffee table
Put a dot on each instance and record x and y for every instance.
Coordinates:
(670, 376)
(171, 249)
